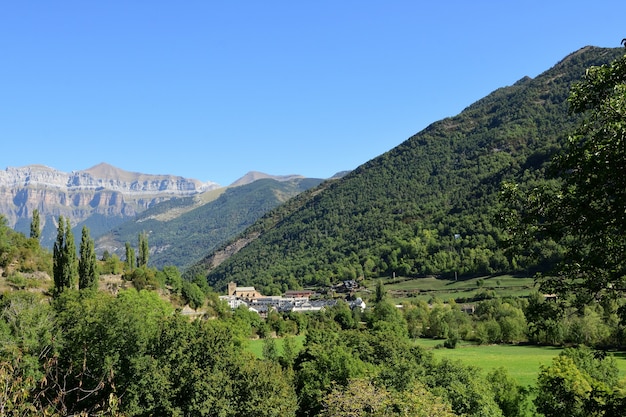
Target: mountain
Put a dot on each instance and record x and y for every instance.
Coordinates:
(426, 207)
(255, 175)
(100, 197)
(182, 230)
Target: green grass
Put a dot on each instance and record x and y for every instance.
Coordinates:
(444, 289)
(256, 345)
(522, 362)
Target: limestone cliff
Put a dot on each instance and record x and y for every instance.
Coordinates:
(103, 191)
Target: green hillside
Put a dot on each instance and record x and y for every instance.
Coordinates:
(181, 231)
(427, 207)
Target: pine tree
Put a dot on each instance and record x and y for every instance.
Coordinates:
(87, 264)
(35, 228)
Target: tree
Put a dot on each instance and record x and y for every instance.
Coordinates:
(563, 390)
(35, 228)
(193, 295)
(144, 250)
(64, 265)
(583, 208)
(130, 257)
(361, 397)
(87, 264)
(380, 291)
(510, 397)
(592, 209)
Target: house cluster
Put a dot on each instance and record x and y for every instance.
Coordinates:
(291, 301)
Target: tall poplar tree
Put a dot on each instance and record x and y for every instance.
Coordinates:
(87, 264)
(130, 257)
(35, 228)
(144, 250)
(64, 264)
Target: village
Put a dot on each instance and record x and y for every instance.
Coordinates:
(297, 301)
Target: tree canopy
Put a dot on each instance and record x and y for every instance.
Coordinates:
(583, 210)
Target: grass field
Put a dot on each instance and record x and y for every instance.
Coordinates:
(256, 345)
(427, 288)
(522, 362)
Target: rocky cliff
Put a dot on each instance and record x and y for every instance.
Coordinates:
(103, 192)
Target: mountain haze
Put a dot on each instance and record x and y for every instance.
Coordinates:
(427, 207)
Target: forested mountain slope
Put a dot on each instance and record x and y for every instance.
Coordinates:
(181, 231)
(428, 206)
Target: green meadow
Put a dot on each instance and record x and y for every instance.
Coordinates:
(256, 345)
(523, 362)
(467, 289)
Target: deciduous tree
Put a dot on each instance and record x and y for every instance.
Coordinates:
(35, 227)
(130, 257)
(583, 210)
(87, 264)
(144, 250)
(65, 267)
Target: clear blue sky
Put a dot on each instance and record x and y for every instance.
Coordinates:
(213, 89)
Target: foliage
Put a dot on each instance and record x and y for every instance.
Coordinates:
(192, 294)
(144, 250)
(111, 265)
(35, 225)
(509, 395)
(87, 263)
(21, 254)
(500, 321)
(463, 387)
(563, 390)
(143, 278)
(130, 257)
(582, 210)
(362, 397)
(65, 266)
(580, 382)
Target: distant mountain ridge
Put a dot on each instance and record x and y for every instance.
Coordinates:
(99, 197)
(185, 218)
(101, 176)
(255, 175)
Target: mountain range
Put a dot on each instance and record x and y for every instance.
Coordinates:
(185, 218)
(100, 197)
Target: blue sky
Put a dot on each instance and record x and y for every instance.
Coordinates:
(211, 90)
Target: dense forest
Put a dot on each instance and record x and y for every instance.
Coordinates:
(430, 206)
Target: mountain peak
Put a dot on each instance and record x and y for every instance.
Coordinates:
(255, 175)
(108, 171)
